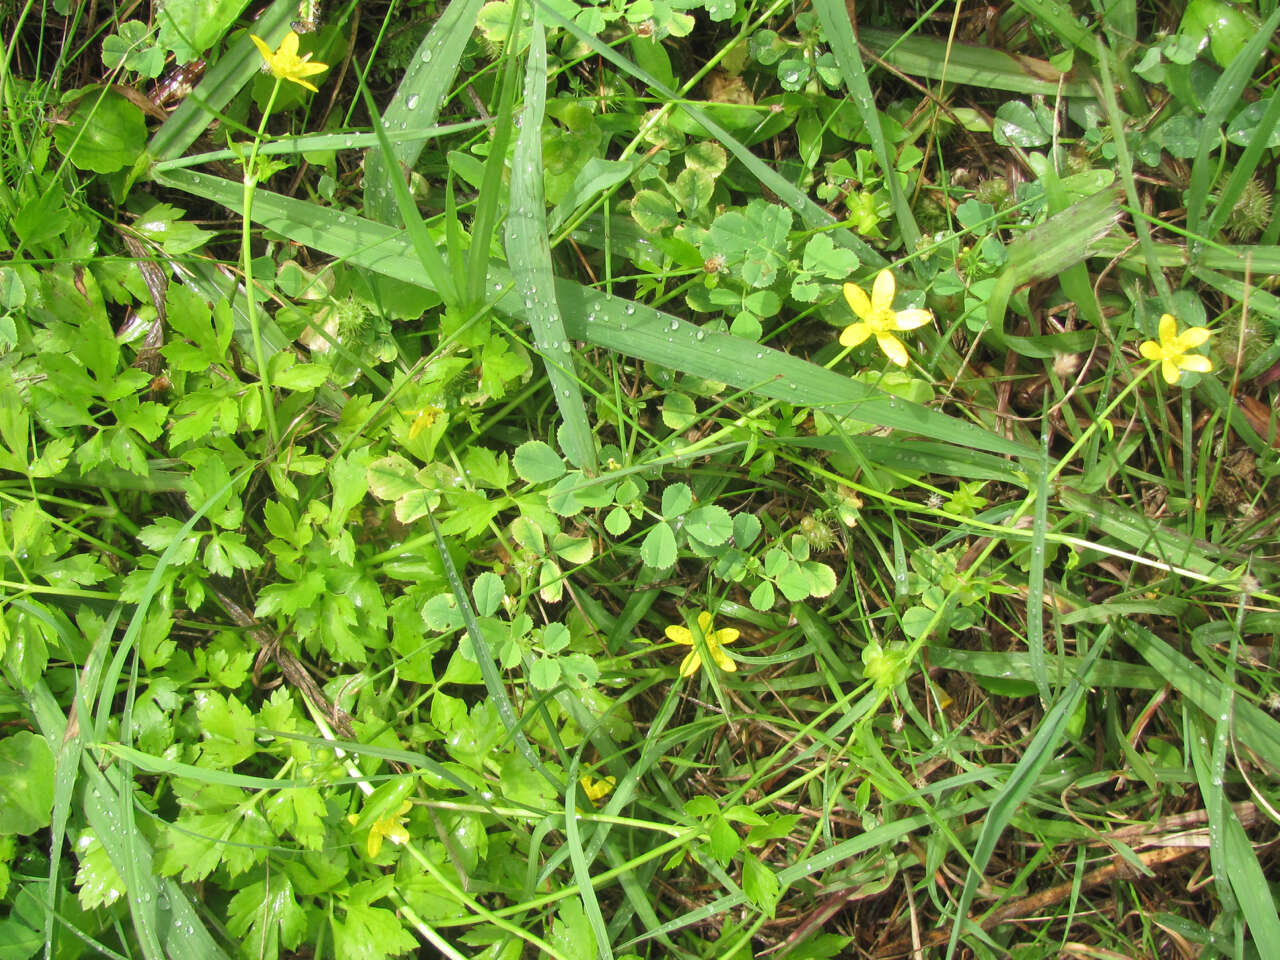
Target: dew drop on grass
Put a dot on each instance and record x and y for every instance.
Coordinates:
(630, 309)
(675, 324)
(426, 56)
(412, 102)
(700, 335)
(759, 356)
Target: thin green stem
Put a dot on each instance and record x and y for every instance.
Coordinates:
(246, 256)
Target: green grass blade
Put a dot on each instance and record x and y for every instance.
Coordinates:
(1021, 781)
(417, 101)
(1061, 19)
(1245, 166)
(1064, 240)
(1224, 98)
(423, 245)
(1035, 575)
(317, 142)
(839, 33)
(529, 254)
(490, 196)
(220, 83)
(1253, 727)
(970, 65)
(1237, 873)
(632, 329)
(488, 666)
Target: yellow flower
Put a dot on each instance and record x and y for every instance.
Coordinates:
(877, 318)
(1172, 349)
(392, 827)
(285, 64)
(597, 789)
(714, 640)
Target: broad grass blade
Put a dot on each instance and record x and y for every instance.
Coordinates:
(632, 329)
(1021, 781)
(839, 33)
(417, 102)
(222, 82)
(529, 254)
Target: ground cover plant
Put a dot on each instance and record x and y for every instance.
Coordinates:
(646, 478)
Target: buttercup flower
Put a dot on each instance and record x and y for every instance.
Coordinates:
(715, 639)
(285, 64)
(877, 318)
(1172, 349)
(597, 790)
(392, 827)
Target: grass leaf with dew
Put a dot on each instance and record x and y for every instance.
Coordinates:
(426, 82)
(1020, 782)
(529, 255)
(968, 65)
(838, 29)
(632, 329)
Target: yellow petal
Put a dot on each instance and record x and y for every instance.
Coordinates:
(1196, 363)
(397, 833)
(690, 665)
(727, 635)
(263, 49)
(882, 291)
(304, 83)
(910, 319)
(375, 842)
(1150, 349)
(1193, 337)
(855, 334)
(893, 348)
(722, 659)
(704, 623)
(679, 635)
(1168, 329)
(858, 302)
(289, 46)
(1170, 371)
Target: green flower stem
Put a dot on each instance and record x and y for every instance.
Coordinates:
(246, 255)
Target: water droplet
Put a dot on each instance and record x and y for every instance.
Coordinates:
(630, 309)
(412, 102)
(426, 56)
(759, 356)
(700, 335)
(675, 324)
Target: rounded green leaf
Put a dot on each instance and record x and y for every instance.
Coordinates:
(1016, 125)
(679, 411)
(653, 211)
(762, 596)
(617, 521)
(103, 135)
(537, 462)
(710, 524)
(659, 548)
(676, 500)
(487, 591)
(26, 783)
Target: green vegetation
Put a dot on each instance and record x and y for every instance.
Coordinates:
(639, 479)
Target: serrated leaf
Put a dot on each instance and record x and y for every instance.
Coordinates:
(677, 498)
(488, 591)
(391, 477)
(710, 524)
(760, 885)
(536, 462)
(26, 783)
(658, 550)
(617, 521)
